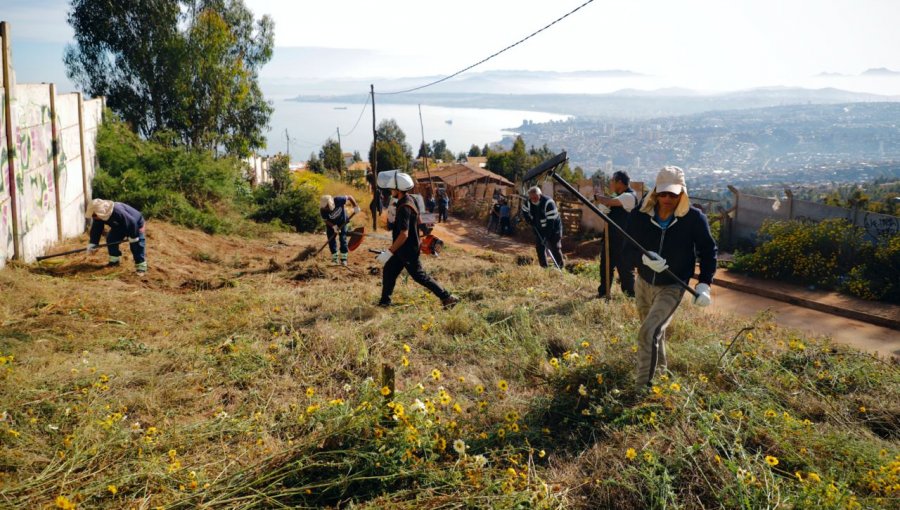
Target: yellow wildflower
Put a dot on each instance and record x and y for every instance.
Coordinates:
(502, 385)
(554, 362)
(310, 392)
(64, 503)
(406, 348)
(675, 386)
(436, 374)
(385, 391)
(404, 361)
(630, 454)
(772, 461)
(112, 489)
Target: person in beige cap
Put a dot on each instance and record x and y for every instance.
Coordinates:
(676, 234)
(336, 220)
(124, 222)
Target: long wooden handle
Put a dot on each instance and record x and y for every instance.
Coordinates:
(45, 257)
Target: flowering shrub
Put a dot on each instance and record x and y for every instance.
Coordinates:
(832, 254)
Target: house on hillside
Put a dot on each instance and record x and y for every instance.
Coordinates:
(478, 161)
(463, 181)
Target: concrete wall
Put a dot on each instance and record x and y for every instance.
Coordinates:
(257, 170)
(47, 155)
(751, 211)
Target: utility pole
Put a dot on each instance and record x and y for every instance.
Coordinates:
(425, 153)
(376, 196)
(341, 151)
(287, 138)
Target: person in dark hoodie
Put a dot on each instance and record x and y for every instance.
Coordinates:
(124, 222)
(676, 235)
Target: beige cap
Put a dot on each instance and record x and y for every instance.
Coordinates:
(670, 180)
(102, 208)
(326, 202)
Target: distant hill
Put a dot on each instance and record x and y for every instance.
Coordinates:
(880, 71)
(627, 103)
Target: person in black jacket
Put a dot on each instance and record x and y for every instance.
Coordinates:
(617, 208)
(676, 234)
(404, 251)
(541, 212)
(124, 222)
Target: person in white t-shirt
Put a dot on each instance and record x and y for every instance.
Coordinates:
(617, 208)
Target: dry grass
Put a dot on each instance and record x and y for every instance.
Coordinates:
(234, 376)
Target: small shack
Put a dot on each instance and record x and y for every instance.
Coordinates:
(463, 181)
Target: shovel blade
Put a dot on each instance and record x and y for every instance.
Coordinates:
(356, 238)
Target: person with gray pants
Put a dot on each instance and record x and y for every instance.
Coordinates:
(678, 235)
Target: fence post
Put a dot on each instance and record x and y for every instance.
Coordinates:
(790, 196)
(84, 180)
(54, 144)
(9, 87)
(737, 209)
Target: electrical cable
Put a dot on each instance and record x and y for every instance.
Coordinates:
(513, 45)
(365, 105)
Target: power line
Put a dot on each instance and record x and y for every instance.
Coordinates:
(513, 45)
(365, 105)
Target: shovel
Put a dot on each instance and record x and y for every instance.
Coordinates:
(79, 250)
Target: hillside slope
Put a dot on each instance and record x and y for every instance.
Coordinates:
(232, 377)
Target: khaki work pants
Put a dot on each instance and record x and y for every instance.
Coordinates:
(656, 306)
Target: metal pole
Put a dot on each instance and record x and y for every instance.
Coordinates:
(425, 154)
(630, 239)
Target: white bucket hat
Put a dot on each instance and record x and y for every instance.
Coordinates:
(102, 208)
(670, 179)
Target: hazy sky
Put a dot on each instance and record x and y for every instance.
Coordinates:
(710, 44)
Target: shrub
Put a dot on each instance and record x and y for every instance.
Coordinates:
(187, 187)
(297, 207)
(832, 254)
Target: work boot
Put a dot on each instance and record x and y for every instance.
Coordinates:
(384, 304)
(141, 269)
(449, 301)
(334, 258)
(343, 259)
(113, 262)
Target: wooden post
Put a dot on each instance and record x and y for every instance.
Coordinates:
(606, 260)
(387, 379)
(54, 130)
(86, 192)
(8, 87)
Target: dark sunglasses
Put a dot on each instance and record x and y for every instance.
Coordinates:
(667, 194)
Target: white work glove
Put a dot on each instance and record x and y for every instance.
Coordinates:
(703, 298)
(91, 248)
(384, 256)
(356, 210)
(604, 209)
(656, 263)
(134, 240)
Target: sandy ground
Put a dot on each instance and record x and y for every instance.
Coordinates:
(864, 336)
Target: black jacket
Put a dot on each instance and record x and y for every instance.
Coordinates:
(686, 239)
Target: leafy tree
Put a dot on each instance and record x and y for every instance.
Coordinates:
(461, 156)
(280, 172)
(315, 164)
(356, 157)
(391, 156)
(518, 160)
(185, 66)
(424, 151)
(439, 150)
(486, 151)
(332, 157)
(474, 151)
(393, 151)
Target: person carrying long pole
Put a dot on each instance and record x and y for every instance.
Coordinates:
(541, 213)
(680, 234)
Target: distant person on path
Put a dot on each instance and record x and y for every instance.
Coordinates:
(124, 222)
(404, 250)
(494, 217)
(443, 205)
(504, 217)
(541, 212)
(618, 209)
(335, 216)
(676, 234)
(430, 204)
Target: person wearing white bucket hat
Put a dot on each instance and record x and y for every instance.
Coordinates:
(404, 250)
(124, 221)
(678, 235)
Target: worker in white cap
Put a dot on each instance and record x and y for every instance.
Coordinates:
(124, 222)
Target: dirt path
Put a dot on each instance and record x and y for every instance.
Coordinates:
(868, 337)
